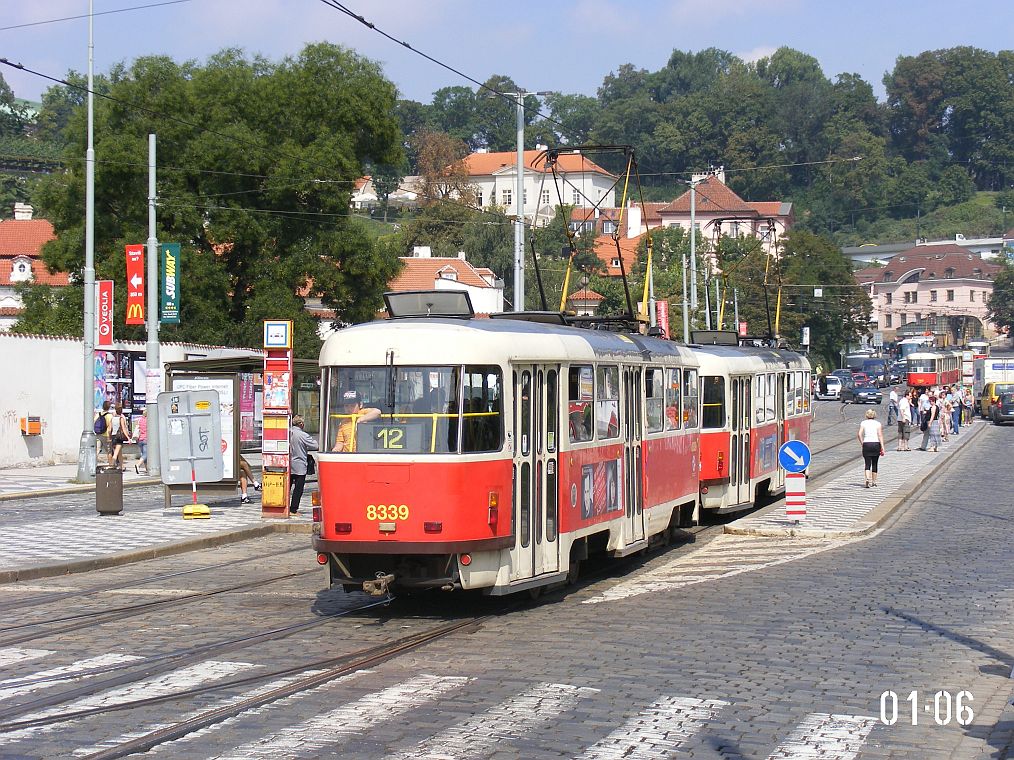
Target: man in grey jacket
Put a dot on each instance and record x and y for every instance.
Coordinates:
(300, 442)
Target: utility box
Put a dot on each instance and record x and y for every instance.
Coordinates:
(31, 425)
(108, 490)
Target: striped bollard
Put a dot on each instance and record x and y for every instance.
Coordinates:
(795, 496)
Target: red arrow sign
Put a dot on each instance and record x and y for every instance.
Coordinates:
(135, 285)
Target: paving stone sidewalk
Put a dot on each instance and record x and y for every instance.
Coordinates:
(845, 507)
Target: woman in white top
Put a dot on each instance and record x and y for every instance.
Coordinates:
(871, 436)
(904, 422)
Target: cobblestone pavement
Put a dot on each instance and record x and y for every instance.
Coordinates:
(788, 657)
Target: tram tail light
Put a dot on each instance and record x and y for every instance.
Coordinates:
(315, 497)
(494, 512)
(321, 559)
(721, 461)
(466, 559)
(342, 527)
(317, 513)
(433, 527)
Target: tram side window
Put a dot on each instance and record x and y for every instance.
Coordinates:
(713, 403)
(690, 418)
(769, 397)
(654, 392)
(673, 411)
(580, 398)
(799, 393)
(790, 393)
(482, 412)
(807, 383)
(758, 394)
(607, 398)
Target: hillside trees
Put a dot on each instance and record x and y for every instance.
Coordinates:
(257, 167)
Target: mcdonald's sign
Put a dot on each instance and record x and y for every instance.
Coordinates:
(135, 285)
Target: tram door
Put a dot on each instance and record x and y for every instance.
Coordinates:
(780, 415)
(632, 462)
(536, 447)
(739, 440)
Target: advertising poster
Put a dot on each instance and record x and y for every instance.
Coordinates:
(104, 313)
(227, 407)
(600, 488)
(135, 284)
(247, 431)
(170, 295)
(277, 390)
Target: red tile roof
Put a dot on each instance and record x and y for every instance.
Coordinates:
(586, 295)
(421, 273)
(479, 164)
(605, 249)
(935, 259)
(713, 197)
(25, 237)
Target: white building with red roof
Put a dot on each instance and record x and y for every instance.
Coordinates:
(21, 241)
(582, 183)
(942, 289)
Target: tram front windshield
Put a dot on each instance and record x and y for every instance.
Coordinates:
(921, 365)
(424, 410)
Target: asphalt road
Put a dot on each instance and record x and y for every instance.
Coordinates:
(787, 660)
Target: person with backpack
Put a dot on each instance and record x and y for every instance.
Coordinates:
(101, 430)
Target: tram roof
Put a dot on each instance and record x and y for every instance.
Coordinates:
(435, 340)
(749, 358)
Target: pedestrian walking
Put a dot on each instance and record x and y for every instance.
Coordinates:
(956, 413)
(300, 442)
(142, 442)
(871, 439)
(966, 407)
(246, 476)
(102, 427)
(933, 428)
(944, 415)
(892, 407)
(119, 435)
(904, 422)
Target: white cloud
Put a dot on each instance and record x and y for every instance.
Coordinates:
(762, 51)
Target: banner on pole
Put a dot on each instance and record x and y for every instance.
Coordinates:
(135, 285)
(170, 302)
(662, 317)
(104, 313)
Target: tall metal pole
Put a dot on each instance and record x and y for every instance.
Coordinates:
(686, 306)
(735, 307)
(151, 356)
(707, 306)
(84, 469)
(693, 247)
(718, 308)
(519, 211)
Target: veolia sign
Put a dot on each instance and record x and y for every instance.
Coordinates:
(104, 313)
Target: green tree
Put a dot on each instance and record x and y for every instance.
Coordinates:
(387, 179)
(1000, 306)
(259, 162)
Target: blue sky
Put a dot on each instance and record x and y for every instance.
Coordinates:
(566, 45)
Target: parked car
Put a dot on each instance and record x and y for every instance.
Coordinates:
(828, 387)
(862, 394)
(899, 373)
(1003, 409)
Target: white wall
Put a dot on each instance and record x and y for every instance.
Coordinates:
(42, 377)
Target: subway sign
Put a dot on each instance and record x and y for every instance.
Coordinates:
(170, 301)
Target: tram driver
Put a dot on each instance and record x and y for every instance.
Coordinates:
(352, 414)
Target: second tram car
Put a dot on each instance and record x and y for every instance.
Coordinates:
(933, 368)
(506, 451)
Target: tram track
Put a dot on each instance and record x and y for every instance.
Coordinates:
(115, 614)
(59, 596)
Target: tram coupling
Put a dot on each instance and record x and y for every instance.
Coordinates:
(380, 586)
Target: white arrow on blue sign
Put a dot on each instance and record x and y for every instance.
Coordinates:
(794, 456)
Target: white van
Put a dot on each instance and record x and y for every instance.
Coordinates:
(828, 388)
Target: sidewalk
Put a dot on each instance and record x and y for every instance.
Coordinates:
(844, 507)
(49, 526)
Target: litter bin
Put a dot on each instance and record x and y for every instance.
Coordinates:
(108, 490)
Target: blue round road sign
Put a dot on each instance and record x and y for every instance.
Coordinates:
(794, 456)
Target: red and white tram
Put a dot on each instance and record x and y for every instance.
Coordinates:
(508, 450)
(753, 401)
(933, 368)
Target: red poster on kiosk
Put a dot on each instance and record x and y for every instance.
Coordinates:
(135, 284)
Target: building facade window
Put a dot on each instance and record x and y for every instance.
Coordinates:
(478, 198)
(615, 263)
(575, 197)
(950, 295)
(887, 320)
(545, 197)
(888, 297)
(524, 198)
(608, 227)
(506, 197)
(971, 296)
(933, 295)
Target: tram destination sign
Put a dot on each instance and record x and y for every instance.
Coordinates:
(794, 456)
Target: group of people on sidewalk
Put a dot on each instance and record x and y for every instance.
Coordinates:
(939, 413)
(112, 432)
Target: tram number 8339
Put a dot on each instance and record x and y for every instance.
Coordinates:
(386, 512)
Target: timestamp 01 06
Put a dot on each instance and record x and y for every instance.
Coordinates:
(943, 707)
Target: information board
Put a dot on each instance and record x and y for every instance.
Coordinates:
(189, 433)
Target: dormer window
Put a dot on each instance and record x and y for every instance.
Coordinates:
(949, 273)
(888, 276)
(448, 273)
(21, 269)
(608, 227)
(932, 275)
(615, 263)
